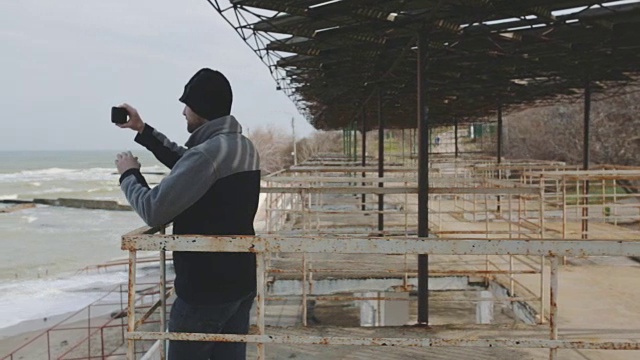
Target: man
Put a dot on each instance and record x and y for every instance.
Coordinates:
(213, 189)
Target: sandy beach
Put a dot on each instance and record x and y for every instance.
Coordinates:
(63, 332)
(70, 338)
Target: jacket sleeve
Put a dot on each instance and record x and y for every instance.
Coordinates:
(166, 151)
(188, 181)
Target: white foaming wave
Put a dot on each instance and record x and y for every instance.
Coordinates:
(9, 197)
(36, 299)
(52, 171)
(52, 191)
(30, 219)
(104, 189)
(36, 177)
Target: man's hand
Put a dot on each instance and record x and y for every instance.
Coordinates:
(135, 121)
(126, 161)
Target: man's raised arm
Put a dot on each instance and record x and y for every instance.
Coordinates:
(166, 151)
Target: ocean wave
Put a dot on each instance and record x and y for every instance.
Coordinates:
(37, 177)
(36, 299)
(30, 219)
(52, 191)
(104, 189)
(52, 174)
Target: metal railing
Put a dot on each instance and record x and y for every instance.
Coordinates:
(147, 240)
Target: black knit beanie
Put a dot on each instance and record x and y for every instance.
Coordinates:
(208, 94)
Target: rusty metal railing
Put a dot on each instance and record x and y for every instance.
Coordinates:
(552, 249)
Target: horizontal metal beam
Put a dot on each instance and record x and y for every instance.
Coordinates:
(342, 179)
(400, 342)
(397, 190)
(360, 169)
(377, 245)
(450, 181)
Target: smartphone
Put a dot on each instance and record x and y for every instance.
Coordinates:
(119, 115)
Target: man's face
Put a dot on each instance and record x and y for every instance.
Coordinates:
(194, 121)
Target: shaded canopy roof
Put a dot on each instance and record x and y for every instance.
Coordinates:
(334, 58)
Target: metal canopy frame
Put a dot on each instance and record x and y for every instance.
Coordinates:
(331, 57)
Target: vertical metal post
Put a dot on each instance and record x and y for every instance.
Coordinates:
(455, 136)
(615, 203)
(355, 141)
(295, 146)
(380, 162)
(553, 309)
(402, 145)
(511, 282)
(410, 145)
(344, 142)
(585, 156)
(542, 236)
(163, 296)
(499, 133)
(587, 119)
(348, 136)
(102, 343)
(121, 311)
(260, 271)
(131, 307)
(499, 151)
(364, 153)
(48, 346)
(423, 182)
(89, 331)
(304, 290)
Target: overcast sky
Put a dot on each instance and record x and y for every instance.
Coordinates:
(64, 63)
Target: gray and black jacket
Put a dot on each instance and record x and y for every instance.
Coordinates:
(213, 189)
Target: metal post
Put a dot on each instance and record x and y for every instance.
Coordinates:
(455, 136)
(553, 309)
(48, 347)
(423, 182)
(102, 343)
(344, 144)
(364, 152)
(410, 145)
(131, 308)
(499, 150)
(163, 296)
(121, 311)
(89, 331)
(304, 290)
(260, 309)
(380, 162)
(355, 141)
(295, 146)
(402, 132)
(587, 117)
(542, 236)
(585, 156)
(347, 135)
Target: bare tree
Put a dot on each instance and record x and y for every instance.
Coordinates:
(271, 144)
(556, 132)
(275, 146)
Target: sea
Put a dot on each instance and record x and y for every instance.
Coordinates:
(42, 249)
